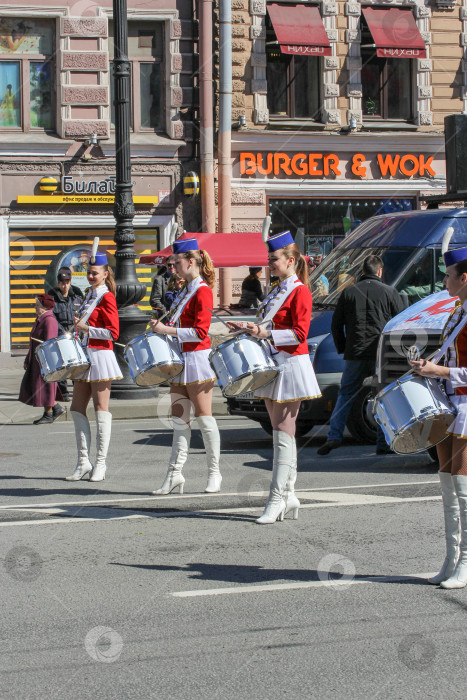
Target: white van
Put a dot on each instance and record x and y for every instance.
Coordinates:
(420, 324)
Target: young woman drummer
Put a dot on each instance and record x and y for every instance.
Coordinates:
(452, 452)
(285, 315)
(189, 322)
(97, 325)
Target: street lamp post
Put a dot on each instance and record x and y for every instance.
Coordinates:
(129, 289)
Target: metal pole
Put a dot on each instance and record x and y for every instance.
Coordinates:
(208, 207)
(224, 140)
(129, 289)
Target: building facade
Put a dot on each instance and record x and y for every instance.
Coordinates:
(57, 143)
(344, 105)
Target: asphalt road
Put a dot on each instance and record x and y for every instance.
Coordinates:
(109, 592)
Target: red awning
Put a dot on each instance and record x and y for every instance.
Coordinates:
(395, 32)
(225, 249)
(299, 30)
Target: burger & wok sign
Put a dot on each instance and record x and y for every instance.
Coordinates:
(329, 165)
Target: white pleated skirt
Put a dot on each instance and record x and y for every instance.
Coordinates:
(296, 380)
(458, 427)
(196, 370)
(104, 366)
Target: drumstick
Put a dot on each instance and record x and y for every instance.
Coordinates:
(37, 340)
(121, 345)
(410, 371)
(229, 326)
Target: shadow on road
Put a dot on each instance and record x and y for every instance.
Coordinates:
(247, 574)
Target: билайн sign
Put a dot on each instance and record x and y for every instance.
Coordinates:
(329, 165)
(79, 191)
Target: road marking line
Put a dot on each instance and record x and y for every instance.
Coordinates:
(303, 492)
(112, 514)
(235, 590)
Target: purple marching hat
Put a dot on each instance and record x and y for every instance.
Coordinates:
(183, 246)
(280, 240)
(451, 257)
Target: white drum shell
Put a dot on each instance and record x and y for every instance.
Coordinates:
(153, 359)
(242, 364)
(414, 413)
(61, 358)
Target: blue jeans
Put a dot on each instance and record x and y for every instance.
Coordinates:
(355, 372)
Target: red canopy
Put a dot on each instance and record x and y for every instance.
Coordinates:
(225, 249)
(299, 30)
(394, 32)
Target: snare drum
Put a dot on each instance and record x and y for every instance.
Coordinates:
(153, 359)
(242, 364)
(414, 413)
(61, 358)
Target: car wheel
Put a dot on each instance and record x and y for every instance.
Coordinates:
(361, 422)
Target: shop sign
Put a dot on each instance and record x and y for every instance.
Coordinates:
(70, 185)
(329, 165)
(401, 53)
(306, 50)
(79, 191)
(79, 199)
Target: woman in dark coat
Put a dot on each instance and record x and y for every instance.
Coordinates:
(34, 391)
(252, 292)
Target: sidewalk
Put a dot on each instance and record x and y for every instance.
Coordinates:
(14, 412)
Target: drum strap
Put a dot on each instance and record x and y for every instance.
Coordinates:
(84, 339)
(181, 301)
(277, 301)
(449, 341)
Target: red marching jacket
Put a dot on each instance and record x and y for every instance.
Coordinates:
(105, 315)
(460, 345)
(295, 315)
(196, 315)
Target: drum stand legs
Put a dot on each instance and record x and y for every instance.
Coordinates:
(283, 479)
(83, 442)
(212, 445)
(104, 429)
(180, 446)
(459, 577)
(451, 527)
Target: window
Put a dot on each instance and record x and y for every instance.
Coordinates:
(26, 70)
(386, 83)
(145, 52)
(293, 81)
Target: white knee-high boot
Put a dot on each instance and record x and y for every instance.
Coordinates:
(212, 445)
(451, 528)
(291, 501)
(178, 457)
(104, 430)
(459, 577)
(83, 443)
(284, 445)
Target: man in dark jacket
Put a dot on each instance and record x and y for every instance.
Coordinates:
(362, 311)
(159, 288)
(67, 299)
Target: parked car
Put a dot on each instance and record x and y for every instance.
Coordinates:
(410, 245)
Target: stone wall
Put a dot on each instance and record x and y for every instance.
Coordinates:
(440, 79)
(447, 63)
